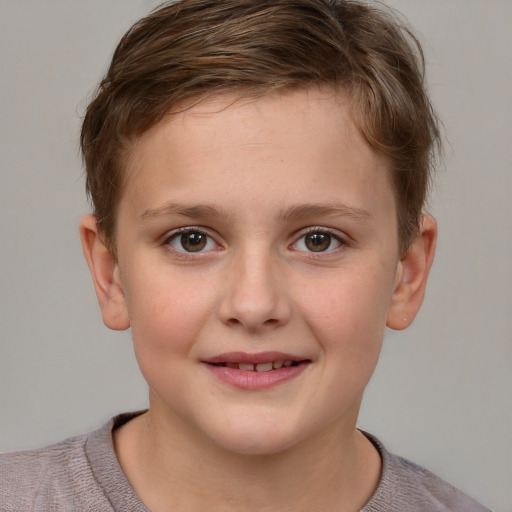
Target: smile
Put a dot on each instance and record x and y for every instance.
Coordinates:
(256, 371)
(259, 367)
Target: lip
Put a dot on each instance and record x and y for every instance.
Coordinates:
(254, 380)
(259, 357)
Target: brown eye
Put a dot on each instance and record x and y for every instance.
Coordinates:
(191, 241)
(317, 242)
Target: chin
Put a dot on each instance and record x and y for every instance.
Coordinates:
(255, 446)
(252, 439)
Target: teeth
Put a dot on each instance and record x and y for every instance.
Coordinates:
(263, 367)
(260, 367)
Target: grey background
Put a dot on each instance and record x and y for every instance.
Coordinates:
(442, 394)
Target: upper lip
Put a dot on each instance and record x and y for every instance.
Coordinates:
(259, 357)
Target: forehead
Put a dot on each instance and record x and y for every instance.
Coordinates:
(295, 144)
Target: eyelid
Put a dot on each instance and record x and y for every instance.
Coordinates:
(341, 237)
(175, 233)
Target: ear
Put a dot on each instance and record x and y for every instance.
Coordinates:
(412, 274)
(105, 276)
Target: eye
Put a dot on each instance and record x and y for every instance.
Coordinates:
(191, 240)
(318, 240)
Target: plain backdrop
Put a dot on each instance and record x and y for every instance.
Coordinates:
(442, 394)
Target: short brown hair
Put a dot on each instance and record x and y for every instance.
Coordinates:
(187, 50)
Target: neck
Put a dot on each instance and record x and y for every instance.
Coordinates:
(333, 470)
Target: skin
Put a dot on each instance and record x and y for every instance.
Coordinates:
(256, 177)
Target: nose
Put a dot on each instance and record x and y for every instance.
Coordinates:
(254, 296)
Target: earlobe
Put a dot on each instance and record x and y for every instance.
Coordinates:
(412, 274)
(105, 275)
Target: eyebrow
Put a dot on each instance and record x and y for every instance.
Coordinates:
(293, 213)
(301, 211)
(192, 211)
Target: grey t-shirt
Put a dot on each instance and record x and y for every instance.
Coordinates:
(82, 474)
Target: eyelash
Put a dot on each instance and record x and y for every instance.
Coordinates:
(175, 235)
(314, 230)
(334, 236)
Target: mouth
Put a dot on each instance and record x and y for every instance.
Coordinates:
(256, 371)
(261, 367)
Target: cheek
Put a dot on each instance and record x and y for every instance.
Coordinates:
(346, 317)
(347, 314)
(166, 317)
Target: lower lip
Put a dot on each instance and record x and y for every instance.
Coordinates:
(253, 380)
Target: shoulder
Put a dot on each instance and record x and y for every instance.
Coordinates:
(79, 473)
(406, 486)
(56, 477)
(30, 477)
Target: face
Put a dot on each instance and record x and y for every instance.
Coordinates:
(257, 265)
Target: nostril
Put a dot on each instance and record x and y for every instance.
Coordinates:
(235, 322)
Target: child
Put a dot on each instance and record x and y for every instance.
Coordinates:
(258, 171)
